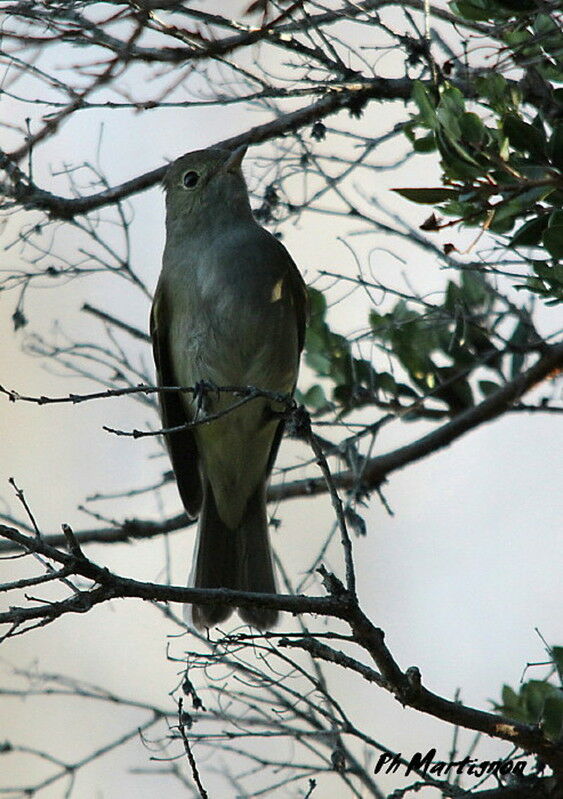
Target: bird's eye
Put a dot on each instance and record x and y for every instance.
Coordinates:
(190, 179)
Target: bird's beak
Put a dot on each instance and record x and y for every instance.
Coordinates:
(234, 161)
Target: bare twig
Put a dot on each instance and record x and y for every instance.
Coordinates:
(193, 765)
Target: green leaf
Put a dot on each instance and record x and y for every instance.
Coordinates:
(425, 144)
(425, 105)
(408, 129)
(470, 9)
(516, 38)
(428, 196)
(519, 338)
(530, 233)
(494, 88)
(472, 128)
(549, 35)
(527, 199)
(317, 304)
(505, 217)
(488, 387)
(549, 283)
(523, 136)
(553, 240)
(556, 218)
(412, 340)
(452, 101)
(537, 701)
(534, 693)
(386, 382)
(513, 7)
(474, 288)
(544, 24)
(504, 149)
(457, 160)
(379, 324)
(557, 652)
(453, 297)
(552, 714)
(480, 342)
(318, 361)
(510, 698)
(512, 705)
(315, 397)
(454, 390)
(542, 269)
(406, 391)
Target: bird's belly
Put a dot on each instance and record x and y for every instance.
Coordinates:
(237, 348)
(235, 451)
(223, 351)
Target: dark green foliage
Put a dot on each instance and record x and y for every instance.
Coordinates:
(330, 356)
(499, 140)
(538, 701)
(438, 349)
(425, 196)
(354, 380)
(502, 157)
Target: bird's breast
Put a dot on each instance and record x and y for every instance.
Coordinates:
(234, 327)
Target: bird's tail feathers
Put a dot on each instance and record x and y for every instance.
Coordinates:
(239, 559)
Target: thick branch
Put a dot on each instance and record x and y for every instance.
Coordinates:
(408, 689)
(378, 468)
(112, 585)
(535, 788)
(344, 94)
(57, 207)
(405, 685)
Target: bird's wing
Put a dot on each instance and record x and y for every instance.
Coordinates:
(182, 445)
(299, 295)
(300, 300)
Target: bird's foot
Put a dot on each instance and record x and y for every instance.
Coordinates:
(282, 411)
(271, 413)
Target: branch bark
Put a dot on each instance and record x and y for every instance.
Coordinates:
(379, 467)
(337, 98)
(406, 685)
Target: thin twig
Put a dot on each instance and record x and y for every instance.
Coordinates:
(193, 765)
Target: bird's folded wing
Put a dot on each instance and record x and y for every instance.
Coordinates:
(181, 445)
(298, 292)
(300, 302)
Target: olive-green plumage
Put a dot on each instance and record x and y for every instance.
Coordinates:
(229, 309)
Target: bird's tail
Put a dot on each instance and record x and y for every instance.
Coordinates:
(239, 559)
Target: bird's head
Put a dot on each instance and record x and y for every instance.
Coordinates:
(206, 184)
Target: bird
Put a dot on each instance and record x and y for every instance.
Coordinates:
(230, 309)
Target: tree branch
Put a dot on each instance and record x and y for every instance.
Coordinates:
(57, 207)
(406, 686)
(379, 467)
(110, 586)
(376, 469)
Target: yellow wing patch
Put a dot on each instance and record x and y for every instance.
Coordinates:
(277, 291)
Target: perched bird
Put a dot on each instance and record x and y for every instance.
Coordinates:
(229, 310)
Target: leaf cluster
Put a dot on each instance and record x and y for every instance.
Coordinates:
(537, 701)
(532, 34)
(330, 356)
(439, 348)
(502, 157)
